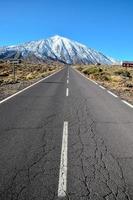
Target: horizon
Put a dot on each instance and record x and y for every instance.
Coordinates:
(100, 30)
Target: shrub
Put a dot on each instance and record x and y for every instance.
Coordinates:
(29, 76)
(102, 76)
(1, 81)
(92, 70)
(129, 85)
(123, 73)
(10, 81)
(43, 75)
(4, 74)
(105, 77)
(117, 73)
(80, 68)
(116, 78)
(126, 74)
(85, 70)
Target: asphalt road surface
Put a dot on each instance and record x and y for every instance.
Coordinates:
(66, 138)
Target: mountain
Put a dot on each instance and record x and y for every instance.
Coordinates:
(55, 48)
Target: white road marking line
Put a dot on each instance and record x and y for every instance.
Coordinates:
(67, 81)
(86, 76)
(94, 82)
(102, 87)
(67, 92)
(27, 87)
(130, 105)
(62, 186)
(112, 94)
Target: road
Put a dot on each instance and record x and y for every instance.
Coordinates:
(66, 138)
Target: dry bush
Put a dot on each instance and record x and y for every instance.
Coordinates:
(115, 78)
(26, 71)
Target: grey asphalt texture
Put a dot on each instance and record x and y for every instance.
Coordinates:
(100, 142)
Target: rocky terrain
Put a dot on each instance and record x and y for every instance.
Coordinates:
(26, 73)
(115, 78)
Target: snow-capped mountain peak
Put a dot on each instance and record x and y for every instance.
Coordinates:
(56, 48)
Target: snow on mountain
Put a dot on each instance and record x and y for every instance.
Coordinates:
(56, 48)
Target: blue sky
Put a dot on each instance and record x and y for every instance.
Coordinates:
(105, 25)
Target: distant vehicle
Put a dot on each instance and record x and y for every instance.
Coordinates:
(127, 64)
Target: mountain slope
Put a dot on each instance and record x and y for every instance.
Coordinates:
(56, 48)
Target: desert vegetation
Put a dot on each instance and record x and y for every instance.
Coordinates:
(15, 77)
(116, 78)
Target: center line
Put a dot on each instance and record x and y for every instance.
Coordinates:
(62, 187)
(67, 81)
(67, 92)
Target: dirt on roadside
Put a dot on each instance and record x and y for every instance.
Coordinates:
(115, 78)
(25, 75)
